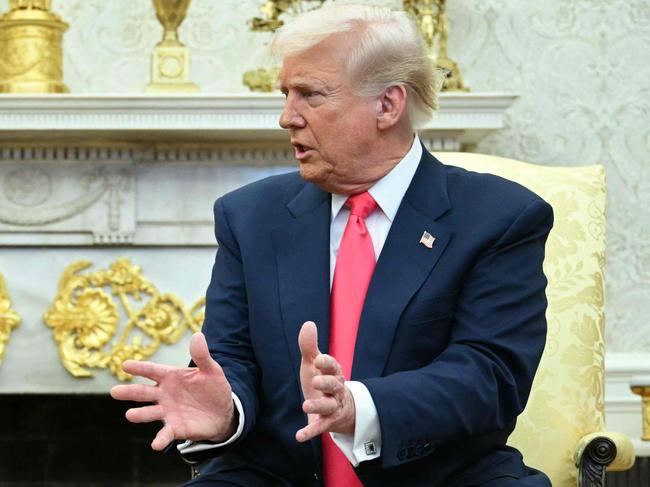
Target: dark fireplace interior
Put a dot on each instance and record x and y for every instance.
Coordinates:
(80, 440)
(52, 440)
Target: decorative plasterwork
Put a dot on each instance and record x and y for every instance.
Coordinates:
(87, 325)
(81, 201)
(9, 319)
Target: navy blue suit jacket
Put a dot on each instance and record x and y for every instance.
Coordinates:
(448, 342)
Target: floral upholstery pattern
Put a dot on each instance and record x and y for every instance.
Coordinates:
(567, 399)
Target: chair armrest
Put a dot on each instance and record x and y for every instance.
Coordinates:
(597, 452)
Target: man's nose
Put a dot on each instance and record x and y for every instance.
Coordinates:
(290, 116)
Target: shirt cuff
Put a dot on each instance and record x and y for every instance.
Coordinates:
(197, 446)
(366, 443)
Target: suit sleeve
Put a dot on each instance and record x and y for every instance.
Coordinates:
(226, 324)
(481, 381)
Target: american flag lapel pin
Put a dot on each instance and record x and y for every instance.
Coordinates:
(427, 240)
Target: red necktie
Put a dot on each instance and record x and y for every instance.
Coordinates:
(355, 263)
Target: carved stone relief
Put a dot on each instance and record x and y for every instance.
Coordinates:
(96, 199)
(27, 187)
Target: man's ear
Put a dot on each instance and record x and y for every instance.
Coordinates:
(391, 105)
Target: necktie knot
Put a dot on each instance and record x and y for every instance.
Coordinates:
(362, 204)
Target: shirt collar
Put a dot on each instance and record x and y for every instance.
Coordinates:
(389, 190)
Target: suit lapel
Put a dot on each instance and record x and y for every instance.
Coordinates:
(302, 253)
(403, 266)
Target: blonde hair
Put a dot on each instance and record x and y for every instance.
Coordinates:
(389, 52)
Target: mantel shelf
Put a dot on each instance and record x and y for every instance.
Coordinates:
(68, 119)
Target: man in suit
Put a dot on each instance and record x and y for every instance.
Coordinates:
(376, 319)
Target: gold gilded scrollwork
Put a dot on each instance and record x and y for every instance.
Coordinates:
(9, 319)
(86, 314)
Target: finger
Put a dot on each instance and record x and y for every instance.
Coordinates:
(328, 384)
(308, 340)
(135, 392)
(145, 414)
(150, 370)
(324, 406)
(312, 430)
(164, 437)
(327, 364)
(201, 354)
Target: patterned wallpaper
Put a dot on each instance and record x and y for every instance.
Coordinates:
(580, 68)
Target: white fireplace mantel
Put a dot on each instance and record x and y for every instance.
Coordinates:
(100, 170)
(463, 118)
(99, 177)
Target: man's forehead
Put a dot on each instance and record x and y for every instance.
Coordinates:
(299, 72)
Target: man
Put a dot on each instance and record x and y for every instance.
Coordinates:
(423, 282)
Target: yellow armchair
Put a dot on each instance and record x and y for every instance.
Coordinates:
(561, 430)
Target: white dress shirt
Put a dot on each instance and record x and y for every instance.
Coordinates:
(388, 192)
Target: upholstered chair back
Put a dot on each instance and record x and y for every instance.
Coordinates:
(567, 399)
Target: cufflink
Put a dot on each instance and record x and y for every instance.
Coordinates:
(370, 448)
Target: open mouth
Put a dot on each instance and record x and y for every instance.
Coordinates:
(301, 150)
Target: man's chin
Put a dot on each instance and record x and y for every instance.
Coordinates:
(313, 174)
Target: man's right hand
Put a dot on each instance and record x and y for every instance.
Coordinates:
(194, 403)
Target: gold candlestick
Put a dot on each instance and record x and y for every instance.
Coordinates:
(31, 57)
(170, 62)
(431, 17)
(643, 390)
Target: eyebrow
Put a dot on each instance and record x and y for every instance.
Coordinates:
(304, 84)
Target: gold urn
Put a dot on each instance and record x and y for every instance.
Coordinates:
(170, 63)
(31, 57)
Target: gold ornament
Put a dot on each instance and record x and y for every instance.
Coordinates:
(262, 79)
(431, 18)
(85, 318)
(170, 62)
(9, 319)
(265, 79)
(31, 57)
(643, 390)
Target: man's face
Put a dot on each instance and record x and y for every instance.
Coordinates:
(332, 129)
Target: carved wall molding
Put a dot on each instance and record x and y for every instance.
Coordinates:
(86, 318)
(9, 319)
(272, 153)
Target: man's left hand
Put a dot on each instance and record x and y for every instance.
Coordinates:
(328, 402)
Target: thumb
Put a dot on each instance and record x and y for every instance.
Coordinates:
(200, 353)
(308, 340)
